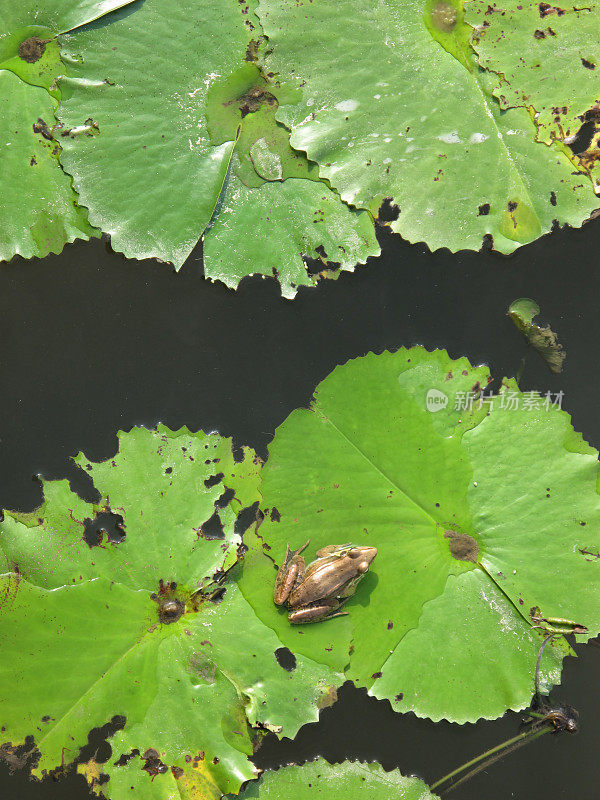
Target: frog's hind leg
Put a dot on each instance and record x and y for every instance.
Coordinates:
(290, 574)
(316, 612)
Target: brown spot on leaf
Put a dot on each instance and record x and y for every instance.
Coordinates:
(546, 9)
(588, 64)
(252, 100)
(32, 49)
(153, 766)
(41, 127)
(19, 756)
(462, 546)
(328, 698)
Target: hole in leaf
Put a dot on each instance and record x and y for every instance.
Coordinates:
(40, 126)
(238, 453)
(285, 658)
(126, 757)
(246, 518)
(97, 747)
(226, 498)
(218, 595)
(583, 138)
(104, 528)
(212, 528)
(388, 211)
(213, 480)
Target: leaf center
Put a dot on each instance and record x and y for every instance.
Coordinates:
(462, 546)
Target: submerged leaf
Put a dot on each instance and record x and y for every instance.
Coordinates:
(143, 625)
(473, 508)
(422, 129)
(336, 782)
(544, 340)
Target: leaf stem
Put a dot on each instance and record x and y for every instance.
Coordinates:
(493, 754)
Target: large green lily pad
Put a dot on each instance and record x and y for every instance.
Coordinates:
(221, 162)
(337, 782)
(131, 627)
(474, 513)
(422, 128)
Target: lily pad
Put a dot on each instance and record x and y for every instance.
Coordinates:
(337, 782)
(423, 129)
(542, 339)
(150, 175)
(40, 213)
(473, 507)
(270, 230)
(136, 620)
(547, 59)
(220, 166)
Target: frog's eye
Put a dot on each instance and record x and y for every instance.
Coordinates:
(362, 566)
(355, 552)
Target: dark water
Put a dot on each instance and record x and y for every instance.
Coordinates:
(91, 343)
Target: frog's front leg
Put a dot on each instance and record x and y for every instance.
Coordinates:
(290, 574)
(316, 612)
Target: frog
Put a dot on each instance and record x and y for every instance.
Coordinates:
(318, 592)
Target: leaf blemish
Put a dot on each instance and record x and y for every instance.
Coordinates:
(444, 16)
(32, 49)
(153, 766)
(462, 546)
